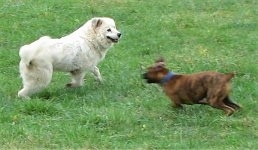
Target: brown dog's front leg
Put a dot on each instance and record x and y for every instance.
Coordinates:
(203, 101)
(176, 102)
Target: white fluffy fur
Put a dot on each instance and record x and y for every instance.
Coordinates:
(76, 53)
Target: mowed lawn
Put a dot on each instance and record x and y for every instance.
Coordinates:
(124, 112)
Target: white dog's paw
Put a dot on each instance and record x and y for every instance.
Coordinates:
(72, 85)
(99, 80)
(22, 94)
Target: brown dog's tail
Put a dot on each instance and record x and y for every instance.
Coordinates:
(229, 76)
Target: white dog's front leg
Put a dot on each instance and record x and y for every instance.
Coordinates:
(77, 78)
(95, 71)
(24, 93)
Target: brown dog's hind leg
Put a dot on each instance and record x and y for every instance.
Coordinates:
(229, 103)
(227, 109)
(220, 105)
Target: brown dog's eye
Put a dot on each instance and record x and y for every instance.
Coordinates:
(108, 30)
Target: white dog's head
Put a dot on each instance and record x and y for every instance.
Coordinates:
(105, 29)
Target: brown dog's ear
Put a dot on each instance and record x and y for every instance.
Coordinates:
(161, 59)
(96, 22)
(160, 62)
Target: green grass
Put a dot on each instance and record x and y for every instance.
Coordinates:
(124, 112)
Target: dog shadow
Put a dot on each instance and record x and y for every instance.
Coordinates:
(193, 110)
(67, 92)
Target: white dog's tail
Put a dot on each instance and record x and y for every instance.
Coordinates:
(26, 54)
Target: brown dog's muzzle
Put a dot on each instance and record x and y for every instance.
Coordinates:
(144, 75)
(148, 80)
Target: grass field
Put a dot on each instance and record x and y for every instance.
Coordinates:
(124, 112)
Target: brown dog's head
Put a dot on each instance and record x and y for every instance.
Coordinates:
(156, 73)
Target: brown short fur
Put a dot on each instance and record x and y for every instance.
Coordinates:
(210, 88)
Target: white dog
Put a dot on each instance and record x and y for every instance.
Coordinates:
(76, 53)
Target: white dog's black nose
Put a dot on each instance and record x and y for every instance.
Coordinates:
(119, 34)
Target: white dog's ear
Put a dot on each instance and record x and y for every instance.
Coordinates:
(96, 22)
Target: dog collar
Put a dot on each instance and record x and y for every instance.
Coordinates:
(167, 78)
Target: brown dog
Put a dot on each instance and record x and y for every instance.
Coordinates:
(210, 88)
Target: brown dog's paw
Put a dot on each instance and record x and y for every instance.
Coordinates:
(177, 106)
(229, 113)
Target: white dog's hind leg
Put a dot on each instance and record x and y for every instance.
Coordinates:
(77, 78)
(27, 91)
(97, 74)
(35, 78)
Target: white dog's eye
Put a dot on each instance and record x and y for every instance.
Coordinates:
(109, 30)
